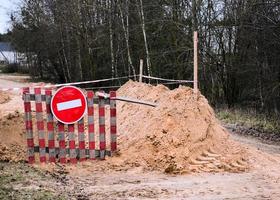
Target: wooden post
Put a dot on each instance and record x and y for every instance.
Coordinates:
(141, 70)
(195, 62)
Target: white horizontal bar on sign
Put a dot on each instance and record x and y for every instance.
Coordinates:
(69, 104)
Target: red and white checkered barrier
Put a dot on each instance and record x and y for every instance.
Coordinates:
(68, 143)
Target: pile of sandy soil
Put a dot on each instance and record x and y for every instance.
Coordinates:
(4, 97)
(180, 135)
(12, 139)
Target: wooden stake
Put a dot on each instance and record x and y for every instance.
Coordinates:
(141, 70)
(195, 62)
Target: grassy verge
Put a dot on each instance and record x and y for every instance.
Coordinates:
(13, 68)
(249, 119)
(19, 181)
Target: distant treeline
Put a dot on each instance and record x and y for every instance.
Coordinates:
(239, 43)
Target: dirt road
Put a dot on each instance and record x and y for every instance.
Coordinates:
(21, 181)
(262, 182)
(12, 81)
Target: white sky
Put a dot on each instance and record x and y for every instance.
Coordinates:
(6, 7)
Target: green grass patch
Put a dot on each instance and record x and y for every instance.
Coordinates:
(16, 179)
(7, 192)
(249, 119)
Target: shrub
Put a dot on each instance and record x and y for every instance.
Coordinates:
(10, 68)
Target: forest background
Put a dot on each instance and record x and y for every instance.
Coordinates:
(239, 44)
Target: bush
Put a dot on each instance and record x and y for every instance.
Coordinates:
(10, 68)
(250, 119)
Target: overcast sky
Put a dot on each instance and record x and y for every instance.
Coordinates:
(6, 7)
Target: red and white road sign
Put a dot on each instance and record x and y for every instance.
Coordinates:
(68, 104)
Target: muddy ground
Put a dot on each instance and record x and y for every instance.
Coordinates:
(22, 181)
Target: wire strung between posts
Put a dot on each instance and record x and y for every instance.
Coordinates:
(164, 79)
(99, 81)
(104, 87)
(67, 84)
(94, 81)
(115, 86)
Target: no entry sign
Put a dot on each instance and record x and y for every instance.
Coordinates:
(68, 104)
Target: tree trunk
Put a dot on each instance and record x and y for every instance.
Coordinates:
(126, 35)
(145, 38)
(111, 40)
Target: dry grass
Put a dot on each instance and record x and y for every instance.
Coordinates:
(249, 119)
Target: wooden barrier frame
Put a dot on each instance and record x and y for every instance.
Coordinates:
(75, 151)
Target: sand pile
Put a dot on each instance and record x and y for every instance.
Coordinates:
(12, 139)
(4, 97)
(180, 135)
